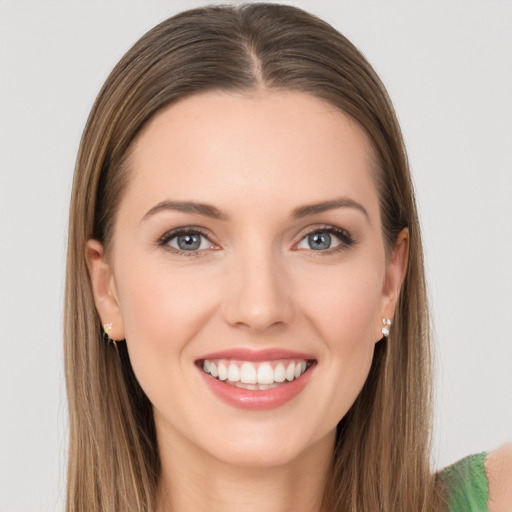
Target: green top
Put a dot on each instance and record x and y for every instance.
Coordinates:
(467, 484)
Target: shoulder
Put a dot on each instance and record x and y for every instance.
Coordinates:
(498, 467)
(480, 482)
(465, 484)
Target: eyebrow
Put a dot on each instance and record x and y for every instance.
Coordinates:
(188, 207)
(323, 206)
(213, 212)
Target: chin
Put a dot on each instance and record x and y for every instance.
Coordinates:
(263, 447)
(258, 455)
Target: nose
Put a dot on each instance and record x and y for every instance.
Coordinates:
(259, 293)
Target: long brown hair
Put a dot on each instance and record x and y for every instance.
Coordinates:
(381, 458)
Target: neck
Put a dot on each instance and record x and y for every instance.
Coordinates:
(194, 482)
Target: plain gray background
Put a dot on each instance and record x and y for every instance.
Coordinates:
(448, 68)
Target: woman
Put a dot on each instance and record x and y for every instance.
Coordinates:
(246, 319)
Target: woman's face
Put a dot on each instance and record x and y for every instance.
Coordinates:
(249, 236)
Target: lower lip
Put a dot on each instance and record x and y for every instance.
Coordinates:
(257, 400)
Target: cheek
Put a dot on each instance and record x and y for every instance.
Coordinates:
(343, 304)
(164, 309)
(162, 312)
(342, 311)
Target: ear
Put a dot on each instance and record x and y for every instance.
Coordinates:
(396, 268)
(104, 289)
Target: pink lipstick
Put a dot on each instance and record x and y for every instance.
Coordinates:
(256, 380)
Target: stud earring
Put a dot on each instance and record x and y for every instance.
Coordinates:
(386, 322)
(106, 333)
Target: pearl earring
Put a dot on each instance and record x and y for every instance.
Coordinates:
(386, 322)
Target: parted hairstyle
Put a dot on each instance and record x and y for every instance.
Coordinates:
(381, 456)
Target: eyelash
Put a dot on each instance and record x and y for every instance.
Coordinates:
(346, 240)
(344, 236)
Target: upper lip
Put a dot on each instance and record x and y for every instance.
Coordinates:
(268, 354)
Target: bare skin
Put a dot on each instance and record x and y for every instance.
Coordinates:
(190, 484)
(255, 281)
(498, 466)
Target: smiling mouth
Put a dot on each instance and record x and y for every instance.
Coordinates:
(255, 376)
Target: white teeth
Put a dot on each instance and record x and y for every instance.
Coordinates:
(248, 374)
(280, 373)
(223, 371)
(265, 374)
(258, 376)
(290, 372)
(253, 387)
(233, 373)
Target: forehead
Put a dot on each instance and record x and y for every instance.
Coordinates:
(260, 148)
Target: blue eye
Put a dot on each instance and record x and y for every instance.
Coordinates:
(186, 241)
(326, 239)
(191, 242)
(319, 241)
